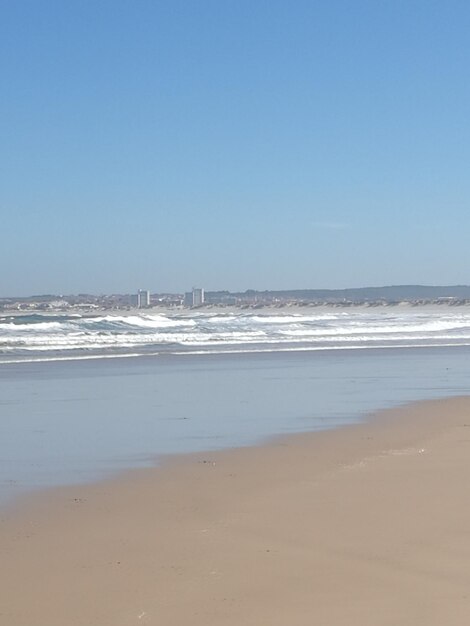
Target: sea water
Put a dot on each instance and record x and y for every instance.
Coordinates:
(75, 421)
(60, 336)
(65, 421)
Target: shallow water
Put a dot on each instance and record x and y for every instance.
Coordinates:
(75, 421)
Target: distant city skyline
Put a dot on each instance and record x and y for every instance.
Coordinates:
(198, 296)
(262, 145)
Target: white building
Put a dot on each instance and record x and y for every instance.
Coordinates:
(143, 299)
(194, 297)
(198, 297)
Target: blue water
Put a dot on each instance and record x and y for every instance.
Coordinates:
(75, 421)
(60, 336)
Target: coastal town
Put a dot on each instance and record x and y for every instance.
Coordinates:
(198, 297)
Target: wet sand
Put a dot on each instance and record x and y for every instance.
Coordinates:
(368, 524)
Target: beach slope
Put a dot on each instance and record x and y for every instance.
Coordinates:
(368, 524)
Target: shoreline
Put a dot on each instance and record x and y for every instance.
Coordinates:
(167, 353)
(361, 524)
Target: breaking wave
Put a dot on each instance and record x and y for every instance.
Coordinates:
(30, 337)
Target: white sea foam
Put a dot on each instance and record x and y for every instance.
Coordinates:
(145, 321)
(24, 337)
(12, 327)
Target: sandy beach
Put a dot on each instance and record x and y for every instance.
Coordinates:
(368, 524)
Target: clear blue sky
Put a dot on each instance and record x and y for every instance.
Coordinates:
(233, 144)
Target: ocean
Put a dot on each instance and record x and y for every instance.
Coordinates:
(52, 337)
(73, 409)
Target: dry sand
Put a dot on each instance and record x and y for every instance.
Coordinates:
(368, 525)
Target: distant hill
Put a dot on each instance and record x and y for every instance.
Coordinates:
(391, 293)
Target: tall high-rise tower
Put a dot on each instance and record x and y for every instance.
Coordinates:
(198, 297)
(143, 299)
